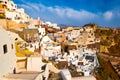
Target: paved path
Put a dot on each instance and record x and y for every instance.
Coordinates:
(22, 76)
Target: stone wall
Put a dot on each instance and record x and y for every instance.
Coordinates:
(3, 23)
(8, 24)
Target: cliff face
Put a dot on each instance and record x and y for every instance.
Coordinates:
(109, 40)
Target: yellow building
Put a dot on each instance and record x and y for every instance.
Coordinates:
(3, 7)
(67, 29)
(60, 37)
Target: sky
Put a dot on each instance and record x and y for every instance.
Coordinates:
(105, 13)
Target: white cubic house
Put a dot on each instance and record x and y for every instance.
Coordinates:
(7, 54)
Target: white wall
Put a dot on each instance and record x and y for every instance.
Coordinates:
(34, 63)
(41, 32)
(10, 4)
(7, 60)
(13, 11)
(66, 74)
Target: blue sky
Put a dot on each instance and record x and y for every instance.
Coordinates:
(74, 12)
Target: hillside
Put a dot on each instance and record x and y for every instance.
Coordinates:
(109, 41)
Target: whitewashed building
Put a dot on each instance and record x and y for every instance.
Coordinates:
(74, 34)
(22, 16)
(84, 60)
(13, 13)
(53, 25)
(41, 32)
(49, 48)
(10, 4)
(7, 54)
(36, 64)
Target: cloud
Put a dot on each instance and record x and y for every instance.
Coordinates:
(25, 6)
(66, 15)
(108, 15)
(60, 12)
(71, 13)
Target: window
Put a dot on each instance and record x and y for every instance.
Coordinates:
(12, 46)
(59, 37)
(74, 38)
(39, 33)
(5, 2)
(11, 4)
(5, 48)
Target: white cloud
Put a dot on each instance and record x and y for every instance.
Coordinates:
(66, 15)
(82, 14)
(36, 7)
(57, 14)
(108, 15)
(61, 12)
(71, 13)
(25, 6)
(57, 10)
